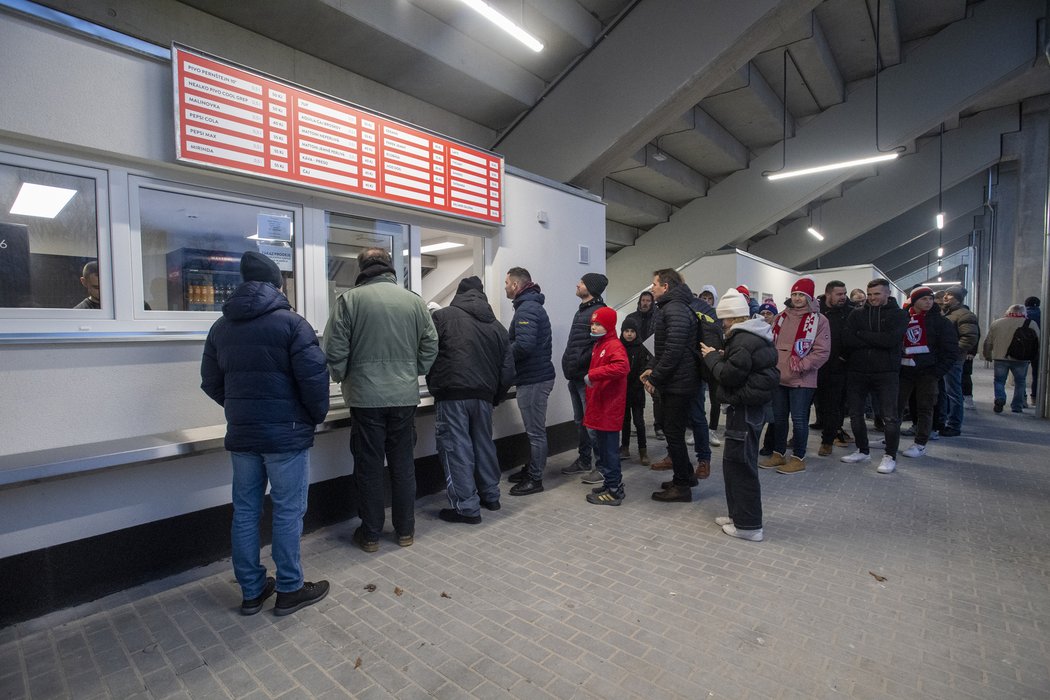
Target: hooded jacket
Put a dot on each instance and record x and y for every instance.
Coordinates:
(638, 357)
(746, 371)
(646, 320)
(577, 356)
(874, 337)
(814, 359)
(530, 338)
(474, 359)
(606, 396)
(263, 365)
(942, 342)
(676, 362)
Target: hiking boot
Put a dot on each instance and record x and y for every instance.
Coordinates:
(310, 593)
(915, 450)
(592, 477)
(843, 439)
(703, 469)
(794, 466)
(749, 535)
(451, 515)
(663, 465)
(519, 476)
(664, 485)
(773, 461)
(365, 544)
(526, 487)
(605, 497)
(250, 606)
(576, 468)
(643, 457)
(825, 449)
(856, 458)
(887, 465)
(674, 494)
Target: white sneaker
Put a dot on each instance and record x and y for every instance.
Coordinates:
(856, 458)
(934, 435)
(969, 404)
(723, 520)
(690, 440)
(750, 535)
(881, 442)
(714, 441)
(887, 466)
(915, 450)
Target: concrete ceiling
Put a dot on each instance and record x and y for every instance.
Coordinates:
(671, 109)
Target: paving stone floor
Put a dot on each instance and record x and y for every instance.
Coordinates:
(554, 598)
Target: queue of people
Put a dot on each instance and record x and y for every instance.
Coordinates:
(262, 362)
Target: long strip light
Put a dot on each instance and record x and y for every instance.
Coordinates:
(832, 166)
(815, 233)
(500, 20)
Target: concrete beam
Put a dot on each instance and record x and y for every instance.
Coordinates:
(753, 113)
(668, 179)
(704, 145)
(629, 206)
(823, 85)
(620, 234)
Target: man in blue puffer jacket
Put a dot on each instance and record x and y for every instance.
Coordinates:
(263, 365)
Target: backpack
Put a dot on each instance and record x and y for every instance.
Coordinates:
(1025, 343)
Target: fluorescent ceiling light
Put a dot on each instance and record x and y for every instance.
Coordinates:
(940, 220)
(501, 21)
(780, 175)
(938, 282)
(815, 233)
(940, 252)
(41, 200)
(444, 245)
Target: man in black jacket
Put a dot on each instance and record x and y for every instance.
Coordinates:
(674, 372)
(830, 399)
(472, 373)
(575, 362)
(873, 343)
(263, 365)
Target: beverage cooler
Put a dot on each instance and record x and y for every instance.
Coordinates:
(201, 280)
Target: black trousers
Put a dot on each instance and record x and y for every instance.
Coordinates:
(831, 404)
(716, 407)
(740, 465)
(676, 418)
(635, 410)
(923, 388)
(378, 434)
(883, 387)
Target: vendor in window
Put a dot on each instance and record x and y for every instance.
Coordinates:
(89, 278)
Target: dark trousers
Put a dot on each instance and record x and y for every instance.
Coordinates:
(578, 397)
(967, 377)
(658, 413)
(608, 459)
(676, 418)
(375, 434)
(831, 404)
(924, 389)
(883, 387)
(634, 412)
(740, 465)
(716, 407)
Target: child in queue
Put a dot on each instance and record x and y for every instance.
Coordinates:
(606, 400)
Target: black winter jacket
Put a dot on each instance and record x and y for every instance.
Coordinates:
(530, 338)
(746, 371)
(638, 357)
(943, 342)
(263, 365)
(676, 368)
(836, 316)
(646, 320)
(576, 359)
(711, 332)
(873, 338)
(475, 360)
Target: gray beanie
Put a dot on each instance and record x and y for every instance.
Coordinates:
(957, 291)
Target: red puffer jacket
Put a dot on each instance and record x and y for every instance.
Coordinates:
(607, 384)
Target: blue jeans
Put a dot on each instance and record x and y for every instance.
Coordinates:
(1018, 368)
(532, 402)
(578, 395)
(378, 434)
(289, 477)
(608, 444)
(951, 401)
(701, 430)
(463, 429)
(792, 402)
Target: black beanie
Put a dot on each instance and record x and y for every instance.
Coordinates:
(468, 283)
(256, 267)
(629, 324)
(595, 283)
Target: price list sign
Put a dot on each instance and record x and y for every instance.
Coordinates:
(232, 118)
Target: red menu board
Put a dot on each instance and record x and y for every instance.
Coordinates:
(232, 118)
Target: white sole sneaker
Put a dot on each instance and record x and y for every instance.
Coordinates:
(855, 458)
(915, 451)
(714, 442)
(888, 465)
(749, 535)
(723, 520)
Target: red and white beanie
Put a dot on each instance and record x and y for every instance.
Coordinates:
(805, 285)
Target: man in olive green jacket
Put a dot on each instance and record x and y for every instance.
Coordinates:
(378, 341)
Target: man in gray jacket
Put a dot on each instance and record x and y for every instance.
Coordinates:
(378, 341)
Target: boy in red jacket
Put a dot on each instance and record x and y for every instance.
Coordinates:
(606, 400)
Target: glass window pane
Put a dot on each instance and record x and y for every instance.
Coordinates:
(192, 247)
(48, 235)
(350, 235)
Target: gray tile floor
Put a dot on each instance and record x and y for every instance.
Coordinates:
(555, 598)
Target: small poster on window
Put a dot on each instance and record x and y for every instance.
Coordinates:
(279, 254)
(274, 227)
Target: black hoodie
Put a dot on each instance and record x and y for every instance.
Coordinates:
(873, 338)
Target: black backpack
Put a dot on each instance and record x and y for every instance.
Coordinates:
(1025, 343)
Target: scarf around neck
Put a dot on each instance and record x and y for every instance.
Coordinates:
(373, 270)
(805, 334)
(915, 342)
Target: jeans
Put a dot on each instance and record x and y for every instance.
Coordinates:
(289, 477)
(701, 431)
(831, 411)
(740, 466)
(884, 389)
(375, 434)
(676, 415)
(463, 428)
(1019, 369)
(792, 402)
(578, 394)
(925, 389)
(532, 402)
(952, 398)
(635, 411)
(606, 441)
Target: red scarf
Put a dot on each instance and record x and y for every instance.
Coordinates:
(915, 337)
(805, 334)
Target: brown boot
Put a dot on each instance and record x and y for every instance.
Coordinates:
(674, 494)
(668, 484)
(773, 461)
(825, 449)
(643, 457)
(794, 466)
(703, 469)
(663, 465)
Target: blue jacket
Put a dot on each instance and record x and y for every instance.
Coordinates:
(530, 337)
(263, 365)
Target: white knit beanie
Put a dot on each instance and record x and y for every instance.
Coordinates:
(732, 305)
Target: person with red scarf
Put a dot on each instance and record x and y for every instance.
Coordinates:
(931, 346)
(802, 337)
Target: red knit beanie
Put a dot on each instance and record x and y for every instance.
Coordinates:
(605, 316)
(744, 290)
(804, 285)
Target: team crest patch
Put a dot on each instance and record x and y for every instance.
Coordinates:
(803, 346)
(914, 334)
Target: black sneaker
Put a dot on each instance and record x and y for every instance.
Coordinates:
(526, 487)
(310, 593)
(250, 606)
(950, 432)
(605, 497)
(576, 468)
(367, 545)
(490, 505)
(998, 407)
(451, 515)
(519, 476)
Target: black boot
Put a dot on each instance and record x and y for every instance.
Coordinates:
(526, 487)
(519, 476)
(310, 593)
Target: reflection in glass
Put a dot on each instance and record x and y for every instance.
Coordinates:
(350, 235)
